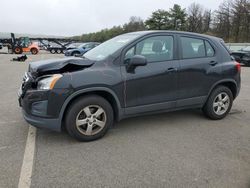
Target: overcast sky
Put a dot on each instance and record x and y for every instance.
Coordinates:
(75, 17)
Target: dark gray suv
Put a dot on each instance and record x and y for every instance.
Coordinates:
(130, 75)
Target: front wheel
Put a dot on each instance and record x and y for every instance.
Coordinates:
(89, 118)
(18, 50)
(219, 103)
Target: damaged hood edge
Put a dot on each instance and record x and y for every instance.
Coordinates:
(43, 67)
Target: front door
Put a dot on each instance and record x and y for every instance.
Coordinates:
(154, 86)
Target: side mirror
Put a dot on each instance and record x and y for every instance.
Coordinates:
(136, 61)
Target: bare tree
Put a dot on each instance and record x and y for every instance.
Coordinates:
(206, 22)
(240, 21)
(195, 18)
(222, 21)
(135, 24)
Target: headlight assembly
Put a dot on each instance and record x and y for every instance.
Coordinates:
(49, 82)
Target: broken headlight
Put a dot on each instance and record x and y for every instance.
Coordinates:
(49, 82)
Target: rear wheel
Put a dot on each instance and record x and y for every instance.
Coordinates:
(89, 118)
(53, 51)
(34, 51)
(58, 51)
(219, 103)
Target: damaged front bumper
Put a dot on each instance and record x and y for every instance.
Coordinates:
(40, 122)
(35, 109)
(41, 108)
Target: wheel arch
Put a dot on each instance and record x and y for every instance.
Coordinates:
(106, 93)
(230, 83)
(76, 52)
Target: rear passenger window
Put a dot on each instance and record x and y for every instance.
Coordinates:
(192, 48)
(209, 49)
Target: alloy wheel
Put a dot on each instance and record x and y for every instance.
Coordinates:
(91, 120)
(221, 103)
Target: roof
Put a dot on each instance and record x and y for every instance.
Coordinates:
(173, 31)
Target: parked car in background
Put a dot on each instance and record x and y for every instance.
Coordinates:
(82, 49)
(247, 49)
(130, 75)
(56, 48)
(74, 46)
(242, 56)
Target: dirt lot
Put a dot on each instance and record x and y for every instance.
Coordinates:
(179, 149)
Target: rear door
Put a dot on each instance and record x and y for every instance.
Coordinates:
(199, 69)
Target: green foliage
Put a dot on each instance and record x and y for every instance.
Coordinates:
(159, 20)
(231, 22)
(178, 17)
(134, 24)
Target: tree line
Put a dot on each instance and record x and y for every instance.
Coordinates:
(231, 21)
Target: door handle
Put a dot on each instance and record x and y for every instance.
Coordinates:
(169, 70)
(213, 63)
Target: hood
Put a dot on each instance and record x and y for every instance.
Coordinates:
(54, 66)
(71, 49)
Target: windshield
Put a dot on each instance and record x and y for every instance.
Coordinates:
(74, 45)
(82, 45)
(109, 47)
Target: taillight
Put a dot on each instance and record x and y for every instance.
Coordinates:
(238, 66)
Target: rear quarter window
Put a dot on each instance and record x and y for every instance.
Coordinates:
(209, 49)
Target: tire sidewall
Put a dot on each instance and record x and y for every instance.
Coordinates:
(77, 106)
(18, 52)
(34, 51)
(208, 108)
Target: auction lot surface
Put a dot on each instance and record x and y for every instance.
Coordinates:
(178, 149)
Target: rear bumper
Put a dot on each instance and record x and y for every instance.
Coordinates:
(40, 122)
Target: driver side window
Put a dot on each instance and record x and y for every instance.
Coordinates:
(154, 49)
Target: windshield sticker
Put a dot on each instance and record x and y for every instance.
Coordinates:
(123, 40)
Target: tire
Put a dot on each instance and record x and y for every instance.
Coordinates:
(82, 111)
(53, 51)
(58, 51)
(34, 51)
(217, 107)
(18, 50)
